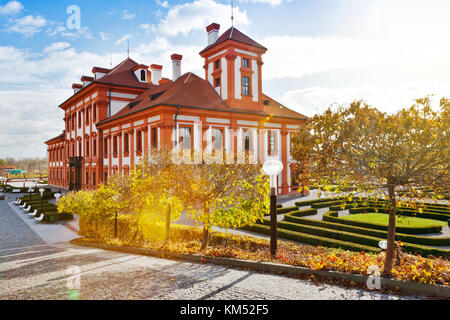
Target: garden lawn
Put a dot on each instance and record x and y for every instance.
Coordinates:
(401, 221)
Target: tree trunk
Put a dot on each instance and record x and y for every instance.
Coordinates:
(205, 237)
(168, 223)
(391, 232)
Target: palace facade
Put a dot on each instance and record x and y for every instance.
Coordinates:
(116, 115)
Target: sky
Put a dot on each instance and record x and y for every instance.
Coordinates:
(321, 53)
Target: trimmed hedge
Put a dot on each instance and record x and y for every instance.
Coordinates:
(356, 238)
(279, 206)
(431, 241)
(310, 202)
(312, 239)
(408, 230)
(301, 213)
(326, 204)
(285, 210)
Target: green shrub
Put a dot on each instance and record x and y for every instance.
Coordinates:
(285, 210)
(279, 205)
(312, 239)
(407, 230)
(302, 213)
(431, 241)
(358, 239)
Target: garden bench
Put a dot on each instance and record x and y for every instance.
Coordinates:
(40, 218)
(33, 214)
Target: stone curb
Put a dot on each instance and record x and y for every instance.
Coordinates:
(408, 287)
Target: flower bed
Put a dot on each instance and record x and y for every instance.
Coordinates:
(185, 240)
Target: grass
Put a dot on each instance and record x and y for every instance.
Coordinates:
(383, 219)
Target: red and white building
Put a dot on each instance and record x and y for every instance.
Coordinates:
(116, 115)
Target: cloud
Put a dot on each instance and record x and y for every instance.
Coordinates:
(164, 4)
(58, 29)
(104, 36)
(289, 56)
(56, 46)
(146, 27)
(126, 15)
(11, 8)
(197, 15)
(123, 39)
(313, 100)
(273, 3)
(28, 25)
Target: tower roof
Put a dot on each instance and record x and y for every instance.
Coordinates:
(236, 35)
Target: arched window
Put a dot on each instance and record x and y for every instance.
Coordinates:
(143, 75)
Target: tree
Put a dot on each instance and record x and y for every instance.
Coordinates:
(223, 195)
(154, 187)
(378, 153)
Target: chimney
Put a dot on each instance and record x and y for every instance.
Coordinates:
(213, 32)
(156, 73)
(176, 66)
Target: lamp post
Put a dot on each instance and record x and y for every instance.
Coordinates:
(115, 198)
(273, 168)
(57, 196)
(41, 190)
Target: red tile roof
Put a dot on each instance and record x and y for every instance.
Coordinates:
(236, 35)
(59, 137)
(192, 91)
(277, 109)
(122, 74)
(188, 91)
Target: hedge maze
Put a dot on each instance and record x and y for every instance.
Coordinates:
(333, 231)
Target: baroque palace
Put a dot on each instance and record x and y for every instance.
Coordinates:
(117, 115)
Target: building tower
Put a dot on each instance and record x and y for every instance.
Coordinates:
(233, 65)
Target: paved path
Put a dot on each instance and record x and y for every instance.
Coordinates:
(34, 268)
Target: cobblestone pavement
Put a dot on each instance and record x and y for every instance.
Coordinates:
(51, 272)
(33, 269)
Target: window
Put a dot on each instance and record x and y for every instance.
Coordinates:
(79, 119)
(246, 140)
(218, 139)
(87, 177)
(271, 142)
(115, 146)
(154, 137)
(186, 138)
(216, 82)
(73, 121)
(94, 181)
(143, 75)
(105, 148)
(245, 86)
(126, 143)
(94, 113)
(87, 116)
(245, 63)
(94, 147)
(87, 148)
(217, 64)
(80, 151)
(139, 141)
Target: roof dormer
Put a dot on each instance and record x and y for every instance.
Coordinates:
(86, 80)
(76, 87)
(140, 71)
(100, 72)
